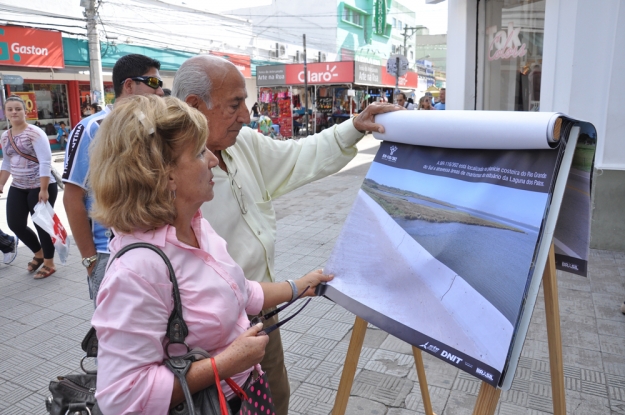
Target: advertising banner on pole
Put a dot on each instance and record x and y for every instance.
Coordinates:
(379, 17)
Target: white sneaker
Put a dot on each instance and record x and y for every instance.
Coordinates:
(10, 256)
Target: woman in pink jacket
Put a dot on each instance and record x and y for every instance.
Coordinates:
(150, 172)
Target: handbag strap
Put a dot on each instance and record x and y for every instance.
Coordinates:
(17, 150)
(177, 329)
(222, 398)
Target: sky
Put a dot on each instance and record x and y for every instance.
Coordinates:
(518, 205)
(433, 16)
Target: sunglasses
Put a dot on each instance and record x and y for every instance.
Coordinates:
(151, 81)
(261, 319)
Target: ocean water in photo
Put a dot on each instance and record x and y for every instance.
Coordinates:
(495, 262)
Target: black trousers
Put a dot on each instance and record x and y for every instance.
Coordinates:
(21, 202)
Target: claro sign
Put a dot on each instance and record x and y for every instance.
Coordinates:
(22, 46)
(319, 73)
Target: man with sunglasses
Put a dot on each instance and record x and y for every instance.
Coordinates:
(254, 169)
(132, 75)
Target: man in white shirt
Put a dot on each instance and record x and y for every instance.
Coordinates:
(401, 100)
(253, 170)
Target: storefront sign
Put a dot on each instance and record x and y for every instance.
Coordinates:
(274, 75)
(505, 45)
(242, 62)
(367, 74)
(30, 100)
(12, 79)
(22, 46)
(379, 17)
(321, 73)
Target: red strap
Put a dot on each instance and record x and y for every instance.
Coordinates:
(237, 389)
(222, 399)
(17, 150)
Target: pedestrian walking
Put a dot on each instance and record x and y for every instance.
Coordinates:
(8, 246)
(28, 159)
(133, 74)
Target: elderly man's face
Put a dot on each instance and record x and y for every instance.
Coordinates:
(228, 112)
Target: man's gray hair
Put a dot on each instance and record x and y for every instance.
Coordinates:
(192, 79)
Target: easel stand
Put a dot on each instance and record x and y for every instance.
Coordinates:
(488, 397)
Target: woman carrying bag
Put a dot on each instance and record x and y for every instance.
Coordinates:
(152, 151)
(27, 156)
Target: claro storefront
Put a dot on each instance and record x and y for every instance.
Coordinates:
(336, 91)
(549, 55)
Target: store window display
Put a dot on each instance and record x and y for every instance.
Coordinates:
(46, 104)
(513, 53)
(86, 100)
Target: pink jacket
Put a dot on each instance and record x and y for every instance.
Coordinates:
(133, 307)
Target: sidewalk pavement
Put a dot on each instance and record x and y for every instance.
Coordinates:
(42, 324)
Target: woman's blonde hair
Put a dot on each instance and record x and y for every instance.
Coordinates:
(135, 149)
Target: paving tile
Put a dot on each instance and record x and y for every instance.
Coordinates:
(362, 406)
(608, 306)
(611, 327)
(612, 344)
(387, 389)
(44, 321)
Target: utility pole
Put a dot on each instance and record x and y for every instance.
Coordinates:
(305, 89)
(95, 60)
(406, 36)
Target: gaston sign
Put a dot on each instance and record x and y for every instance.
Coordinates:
(35, 48)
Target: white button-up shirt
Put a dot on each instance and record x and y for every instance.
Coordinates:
(259, 170)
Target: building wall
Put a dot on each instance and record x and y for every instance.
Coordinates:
(582, 77)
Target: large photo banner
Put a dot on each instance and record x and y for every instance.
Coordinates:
(441, 244)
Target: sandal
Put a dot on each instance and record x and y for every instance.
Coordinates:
(44, 272)
(35, 264)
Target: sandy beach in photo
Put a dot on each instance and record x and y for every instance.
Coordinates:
(379, 265)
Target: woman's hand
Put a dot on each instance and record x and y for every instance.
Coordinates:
(311, 279)
(244, 352)
(43, 195)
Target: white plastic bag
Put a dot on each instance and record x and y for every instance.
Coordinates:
(47, 220)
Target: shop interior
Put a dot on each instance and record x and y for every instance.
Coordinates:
(46, 105)
(327, 106)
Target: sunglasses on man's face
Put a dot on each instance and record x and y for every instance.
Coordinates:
(151, 81)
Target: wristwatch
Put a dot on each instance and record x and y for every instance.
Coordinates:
(86, 262)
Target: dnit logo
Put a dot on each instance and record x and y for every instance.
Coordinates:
(451, 357)
(390, 158)
(430, 347)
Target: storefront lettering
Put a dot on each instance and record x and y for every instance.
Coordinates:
(325, 76)
(28, 50)
(508, 45)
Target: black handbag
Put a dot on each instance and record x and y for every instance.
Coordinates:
(75, 394)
